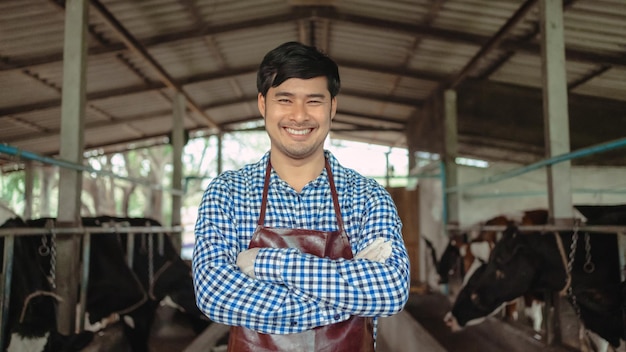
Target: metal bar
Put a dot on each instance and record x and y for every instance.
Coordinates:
(444, 193)
(621, 250)
(598, 148)
(130, 251)
(134, 45)
(7, 273)
(92, 230)
(450, 152)
(84, 283)
(555, 109)
(493, 42)
(543, 228)
(539, 193)
(161, 243)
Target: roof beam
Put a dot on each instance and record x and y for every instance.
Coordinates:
(138, 48)
(21, 109)
(330, 14)
(375, 120)
(493, 43)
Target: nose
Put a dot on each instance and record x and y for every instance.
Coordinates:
(299, 111)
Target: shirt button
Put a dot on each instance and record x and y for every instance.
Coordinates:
(337, 317)
(294, 323)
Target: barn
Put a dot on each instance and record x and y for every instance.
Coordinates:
(497, 107)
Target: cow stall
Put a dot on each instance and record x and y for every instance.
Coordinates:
(562, 319)
(129, 270)
(575, 274)
(450, 202)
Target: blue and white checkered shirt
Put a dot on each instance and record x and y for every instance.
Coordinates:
(294, 292)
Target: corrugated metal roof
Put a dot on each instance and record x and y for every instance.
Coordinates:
(393, 56)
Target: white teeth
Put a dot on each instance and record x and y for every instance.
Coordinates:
(298, 132)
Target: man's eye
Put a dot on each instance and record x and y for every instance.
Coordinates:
(315, 102)
(284, 101)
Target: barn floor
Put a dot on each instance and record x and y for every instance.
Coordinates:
(493, 335)
(169, 334)
(428, 309)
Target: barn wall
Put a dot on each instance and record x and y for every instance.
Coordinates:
(510, 196)
(407, 203)
(501, 117)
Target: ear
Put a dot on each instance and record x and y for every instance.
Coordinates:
(510, 231)
(333, 108)
(261, 104)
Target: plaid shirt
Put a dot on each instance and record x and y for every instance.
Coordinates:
(294, 292)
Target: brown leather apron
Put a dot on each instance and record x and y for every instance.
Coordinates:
(352, 335)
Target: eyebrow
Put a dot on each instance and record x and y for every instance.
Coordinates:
(288, 94)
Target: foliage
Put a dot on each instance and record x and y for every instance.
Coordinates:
(12, 187)
(116, 196)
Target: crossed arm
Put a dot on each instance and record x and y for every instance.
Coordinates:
(283, 290)
(377, 251)
(293, 291)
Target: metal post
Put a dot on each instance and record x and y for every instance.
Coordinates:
(178, 135)
(84, 280)
(70, 181)
(7, 273)
(556, 124)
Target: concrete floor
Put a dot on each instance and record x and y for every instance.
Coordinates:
(425, 328)
(170, 333)
(493, 335)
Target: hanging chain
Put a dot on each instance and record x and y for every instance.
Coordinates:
(53, 260)
(150, 258)
(570, 265)
(50, 250)
(44, 249)
(589, 267)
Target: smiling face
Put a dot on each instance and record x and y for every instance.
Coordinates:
(298, 115)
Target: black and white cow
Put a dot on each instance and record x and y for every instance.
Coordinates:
(163, 275)
(114, 288)
(522, 263)
(466, 253)
(31, 322)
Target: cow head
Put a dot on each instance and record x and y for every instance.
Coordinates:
(449, 262)
(31, 322)
(512, 270)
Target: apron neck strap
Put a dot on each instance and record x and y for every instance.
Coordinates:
(333, 192)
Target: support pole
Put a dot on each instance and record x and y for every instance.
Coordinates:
(220, 145)
(178, 136)
(70, 181)
(450, 176)
(555, 108)
(556, 125)
(28, 190)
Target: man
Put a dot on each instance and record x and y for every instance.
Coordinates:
(274, 247)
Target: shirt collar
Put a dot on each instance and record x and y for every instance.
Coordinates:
(319, 181)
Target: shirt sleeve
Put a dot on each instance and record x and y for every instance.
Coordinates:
(226, 295)
(356, 287)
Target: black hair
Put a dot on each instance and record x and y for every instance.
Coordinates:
(296, 60)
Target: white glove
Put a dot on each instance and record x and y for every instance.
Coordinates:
(378, 251)
(245, 261)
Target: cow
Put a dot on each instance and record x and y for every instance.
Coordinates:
(463, 256)
(117, 291)
(580, 265)
(31, 324)
(163, 275)
(458, 256)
